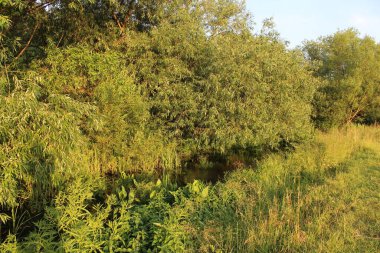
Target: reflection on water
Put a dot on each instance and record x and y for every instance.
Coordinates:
(209, 174)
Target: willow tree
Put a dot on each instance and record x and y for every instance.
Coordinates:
(186, 74)
(99, 88)
(348, 66)
(214, 85)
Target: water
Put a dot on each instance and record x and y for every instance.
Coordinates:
(210, 174)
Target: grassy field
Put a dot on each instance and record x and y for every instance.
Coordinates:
(323, 197)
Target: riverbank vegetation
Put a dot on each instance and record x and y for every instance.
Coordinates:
(104, 104)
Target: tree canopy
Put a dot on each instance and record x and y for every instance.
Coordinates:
(349, 66)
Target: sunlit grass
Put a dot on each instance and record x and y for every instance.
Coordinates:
(321, 198)
(340, 143)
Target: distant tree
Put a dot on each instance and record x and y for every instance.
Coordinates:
(349, 67)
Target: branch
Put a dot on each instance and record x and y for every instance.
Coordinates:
(362, 104)
(60, 39)
(353, 116)
(28, 43)
(118, 23)
(42, 6)
(126, 18)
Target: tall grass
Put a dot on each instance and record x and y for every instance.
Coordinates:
(293, 203)
(340, 143)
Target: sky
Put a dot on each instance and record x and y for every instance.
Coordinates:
(299, 20)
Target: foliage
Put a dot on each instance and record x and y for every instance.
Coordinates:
(349, 67)
(286, 205)
(210, 92)
(103, 102)
(122, 137)
(40, 143)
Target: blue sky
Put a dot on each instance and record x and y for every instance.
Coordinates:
(297, 20)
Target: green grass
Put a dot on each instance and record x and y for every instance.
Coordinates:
(342, 215)
(323, 198)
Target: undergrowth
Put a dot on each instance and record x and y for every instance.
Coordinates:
(322, 197)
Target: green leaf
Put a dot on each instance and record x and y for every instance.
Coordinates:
(204, 193)
(4, 217)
